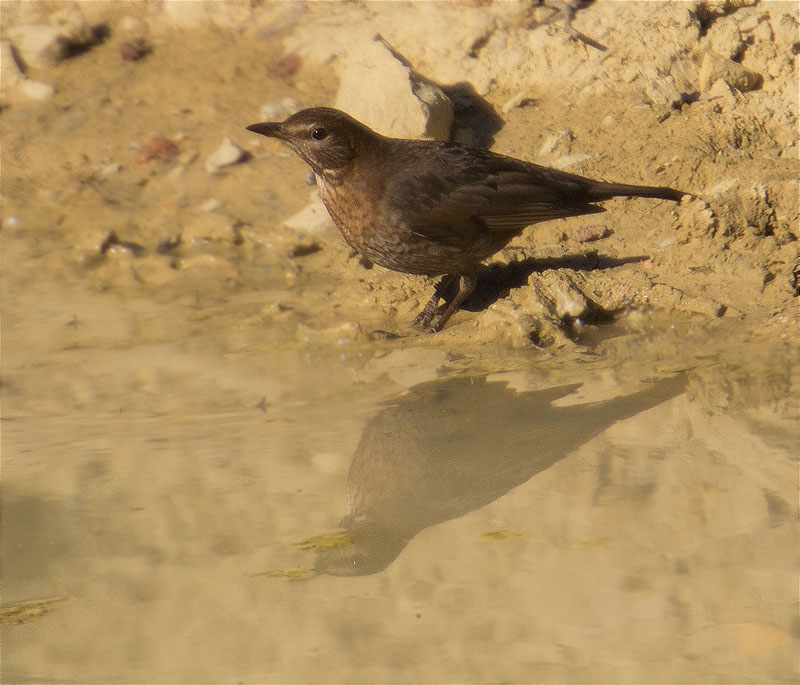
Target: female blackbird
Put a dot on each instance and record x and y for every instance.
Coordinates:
(431, 208)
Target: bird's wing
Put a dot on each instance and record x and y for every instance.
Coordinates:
(457, 189)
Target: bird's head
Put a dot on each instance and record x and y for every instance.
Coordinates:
(327, 139)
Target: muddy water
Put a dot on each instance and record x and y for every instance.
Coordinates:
(214, 471)
(400, 514)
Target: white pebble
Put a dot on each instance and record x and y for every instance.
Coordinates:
(211, 204)
(36, 90)
(227, 154)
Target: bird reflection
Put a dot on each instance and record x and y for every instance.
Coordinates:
(449, 447)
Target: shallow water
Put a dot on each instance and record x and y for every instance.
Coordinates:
(555, 521)
(211, 474)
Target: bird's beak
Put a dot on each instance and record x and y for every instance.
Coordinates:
(270, 129)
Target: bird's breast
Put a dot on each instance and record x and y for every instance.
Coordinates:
(385, 234)
(366, 226)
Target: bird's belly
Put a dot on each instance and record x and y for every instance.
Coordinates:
(388, 241)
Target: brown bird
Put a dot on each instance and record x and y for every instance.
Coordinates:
(432, 208)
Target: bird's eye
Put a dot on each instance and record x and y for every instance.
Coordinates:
(318, 133)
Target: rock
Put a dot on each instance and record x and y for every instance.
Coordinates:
(380, 88)
(750, 23)
(568, 302)
(36, 90)
(278, 111)
(72, 27)
(724, 38)
(725, 96)
(42, 46)
(38, 45)
(227, 154)
(715, 67)
(588, 234)
(313, 219)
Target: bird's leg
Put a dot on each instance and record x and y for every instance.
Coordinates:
(465, 286)
(432, 308)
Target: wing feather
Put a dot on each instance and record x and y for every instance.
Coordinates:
(461, 190)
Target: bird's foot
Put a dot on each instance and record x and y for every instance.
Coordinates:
(432, 309)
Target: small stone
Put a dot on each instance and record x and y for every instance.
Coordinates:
(36, 90)
(516, 101)
(158, 148)
(134, 50)
(211, 204)
(715, 67)
(38, 45)
(73, 27)
(588, 234)
(725, 96)
(749, 23)
(227, 154)
(561, 140)
(312, 219)
(109, 170)
(176, 172)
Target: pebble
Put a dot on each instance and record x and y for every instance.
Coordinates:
(514, 102)
(715, 67)
(72, 27)
(379, 87)
(211, 204)
(134, 50)
(749, 23)
(313, 219)
(158, 148)
(38, 45)
(560, 139)
(36, 90)
(227, 154)
(110, 169)
(588, 234)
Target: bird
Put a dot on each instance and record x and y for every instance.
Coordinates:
(433, 208)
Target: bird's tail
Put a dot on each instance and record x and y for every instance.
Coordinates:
(604, 191)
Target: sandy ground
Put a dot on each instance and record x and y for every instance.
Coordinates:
(190, 386)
